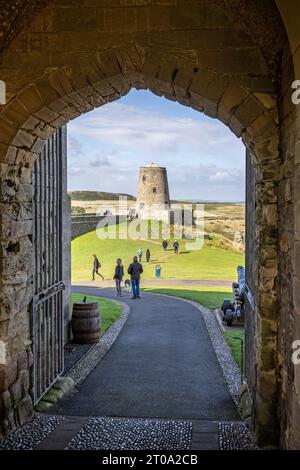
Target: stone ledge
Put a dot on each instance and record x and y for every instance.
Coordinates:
(61, 388)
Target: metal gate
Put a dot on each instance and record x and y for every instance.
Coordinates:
(47, 304)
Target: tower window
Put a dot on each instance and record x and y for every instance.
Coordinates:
(144, 178)
(154, 190)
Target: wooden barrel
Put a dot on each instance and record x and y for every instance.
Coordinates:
(86, 322)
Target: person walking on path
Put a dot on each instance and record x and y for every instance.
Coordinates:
(148, 255)
(165, 245)
(140, 254)
(135, 270)
(96, 267)
(176, 246)
(118, 277)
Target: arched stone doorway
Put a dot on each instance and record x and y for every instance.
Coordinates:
(212, 56)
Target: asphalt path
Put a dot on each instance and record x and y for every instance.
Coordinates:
(162, 365)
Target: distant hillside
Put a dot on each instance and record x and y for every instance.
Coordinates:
(97, 196)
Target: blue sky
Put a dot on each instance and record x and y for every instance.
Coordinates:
(106, 147)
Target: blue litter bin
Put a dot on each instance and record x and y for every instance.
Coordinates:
(157, 271)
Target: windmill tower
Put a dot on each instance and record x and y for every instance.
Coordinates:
(153, 199)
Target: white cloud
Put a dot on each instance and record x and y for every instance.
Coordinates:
(74, 146)
(101, 161)
(75, 171)
(224, 176)
(107, 146)
(119, 124)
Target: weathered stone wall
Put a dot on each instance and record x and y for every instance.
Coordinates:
(290, 233)
(15, 296)
(81, 224)
(250, 358)
(289, 323)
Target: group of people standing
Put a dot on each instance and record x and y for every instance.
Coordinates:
(135, 269)
(165, 245)
(140, 254)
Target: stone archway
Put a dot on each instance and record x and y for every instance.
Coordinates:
(231, 83)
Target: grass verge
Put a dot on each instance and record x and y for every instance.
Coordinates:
(235, 345)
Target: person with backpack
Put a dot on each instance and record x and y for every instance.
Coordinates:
(148, 255)
(118, 276)
(165, 245)
(135, 270)
(96, 267)
(176, 246)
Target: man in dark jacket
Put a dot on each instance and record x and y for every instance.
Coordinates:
(135, 270)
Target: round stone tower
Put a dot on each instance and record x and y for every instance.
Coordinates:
(153, 199)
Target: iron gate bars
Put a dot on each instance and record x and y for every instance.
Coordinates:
(47, 304)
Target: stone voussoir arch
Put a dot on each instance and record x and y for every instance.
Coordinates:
(58, 96)
(62, 95)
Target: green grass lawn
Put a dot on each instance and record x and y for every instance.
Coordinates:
(109, 310)
(235, 345)
(210, 297)
(208, 263)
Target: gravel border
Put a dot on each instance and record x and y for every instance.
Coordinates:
(73, 353)
(94, 355)
(236, 436)
(31, 434)
(133, 434)
(226, 360)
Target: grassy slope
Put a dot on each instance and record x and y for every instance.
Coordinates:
(208, 263)
(97, 195)
(109, 310)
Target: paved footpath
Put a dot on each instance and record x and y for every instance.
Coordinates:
(162, 365)
(225, 283)
(159, 387)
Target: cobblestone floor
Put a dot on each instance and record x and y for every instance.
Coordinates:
(133, 434)
(31, 434)
(235, 436)
(124, 434)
